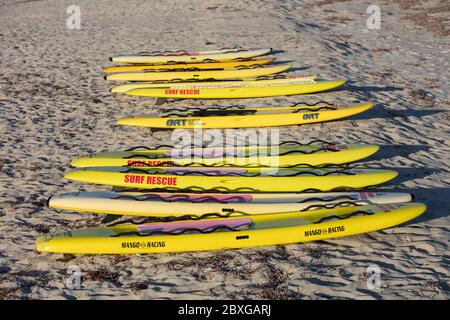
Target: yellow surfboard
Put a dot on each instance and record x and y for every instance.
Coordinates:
(196, 75)
(224, 91)
(195, 57)
(305, 155)
(272, 181)
(247, 118)
(186, 85)
(190, 66)
(230, 233)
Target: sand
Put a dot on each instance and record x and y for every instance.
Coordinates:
(55, 106)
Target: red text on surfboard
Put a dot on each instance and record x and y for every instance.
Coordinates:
(153, 180)
(149, 163)
(188, 92)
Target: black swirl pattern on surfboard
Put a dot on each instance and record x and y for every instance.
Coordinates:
(284, 143)
(237, 174)
(231, 229)
(177, 232)
(227, 214)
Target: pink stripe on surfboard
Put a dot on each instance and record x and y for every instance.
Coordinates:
(205, 171)
(202, 225)
(214, 152)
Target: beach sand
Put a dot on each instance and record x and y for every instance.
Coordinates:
(55, 106)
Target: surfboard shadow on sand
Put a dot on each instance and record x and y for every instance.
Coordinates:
(380, 111)
(388, 151)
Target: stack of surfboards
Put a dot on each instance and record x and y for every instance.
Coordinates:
(225, 73)
(222, 198)
(194, 198)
